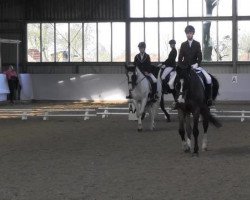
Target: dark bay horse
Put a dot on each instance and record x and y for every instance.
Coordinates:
(191, 99)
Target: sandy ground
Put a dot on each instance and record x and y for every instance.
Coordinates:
(106, 159)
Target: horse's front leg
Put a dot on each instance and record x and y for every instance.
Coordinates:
(163, 108)
(152, 112)
(181, 117)
(138, 114)
(188, 130)
(196, 116)
(141, 109)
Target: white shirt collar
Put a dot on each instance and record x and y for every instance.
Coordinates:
(190, 42)
(142, 55)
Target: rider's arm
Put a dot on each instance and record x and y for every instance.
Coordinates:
(199, 55)
(180, 57)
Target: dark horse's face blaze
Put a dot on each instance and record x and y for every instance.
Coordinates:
(181, 83)
(131, 72)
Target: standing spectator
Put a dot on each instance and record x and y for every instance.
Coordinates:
(12, 79)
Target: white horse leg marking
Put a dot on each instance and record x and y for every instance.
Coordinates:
(189, 143)
(152, 116)
(181, 99)
(139, 124)
(204, 142)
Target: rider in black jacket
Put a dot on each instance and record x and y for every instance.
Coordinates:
(190, 55)
(143, 62)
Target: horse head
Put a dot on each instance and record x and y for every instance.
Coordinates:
(131, 74)
(182, 82)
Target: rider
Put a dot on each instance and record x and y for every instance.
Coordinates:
(143, 62)
(170, 62)
(190, 55)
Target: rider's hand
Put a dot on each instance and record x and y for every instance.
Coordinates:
(146, 73)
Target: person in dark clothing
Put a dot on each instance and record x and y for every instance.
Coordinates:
(13, 82)
(190, 55)
(170, 62)
(143, 62)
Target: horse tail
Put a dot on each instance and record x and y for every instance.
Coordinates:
(216, 86)
(206, 114)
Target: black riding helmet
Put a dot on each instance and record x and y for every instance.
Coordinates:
(172, 42)
(189, 29)
(142, 45)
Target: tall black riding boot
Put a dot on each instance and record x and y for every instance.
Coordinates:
(209, 95)
(153, 94)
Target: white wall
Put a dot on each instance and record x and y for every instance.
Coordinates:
(113, 87)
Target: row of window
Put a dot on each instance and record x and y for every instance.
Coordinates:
(76, 42)
(105, 42)
(185, 8)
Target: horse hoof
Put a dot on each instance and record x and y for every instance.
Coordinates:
(143, 116)
(139, 129)
(168, 120)
(196, 155)
(204, 149)
(188, 150)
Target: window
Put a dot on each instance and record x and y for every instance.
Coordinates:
(244, 40)
(165, 8)
(225, 8)
(136, 8)
(209, 40)
(48, 42)
(62, 42)
(243, 10)
(195, 8)
(76, 44)
(179, 34)
(166, 34)
(104, 42)
(151, 8)
(90, 42)
(136, 36)
(180, 8)
(118, 42)
(151, 39)
(198, 30)
(33, 43)
(224, 48)
(210, 7)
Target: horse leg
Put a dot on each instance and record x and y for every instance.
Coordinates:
(196, 132)
(181, 117)
(188, 130)
(137, 107)
(152, 111)
(205, 128)
(141, 109)
(163, 108)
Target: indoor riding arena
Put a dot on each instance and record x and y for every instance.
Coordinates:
(83, 84)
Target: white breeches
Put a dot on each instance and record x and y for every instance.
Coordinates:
(152, 77)
(207, 76)
(171, 80)
(166, 71)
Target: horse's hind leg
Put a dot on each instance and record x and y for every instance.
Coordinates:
(205, 128)
(163, 108)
